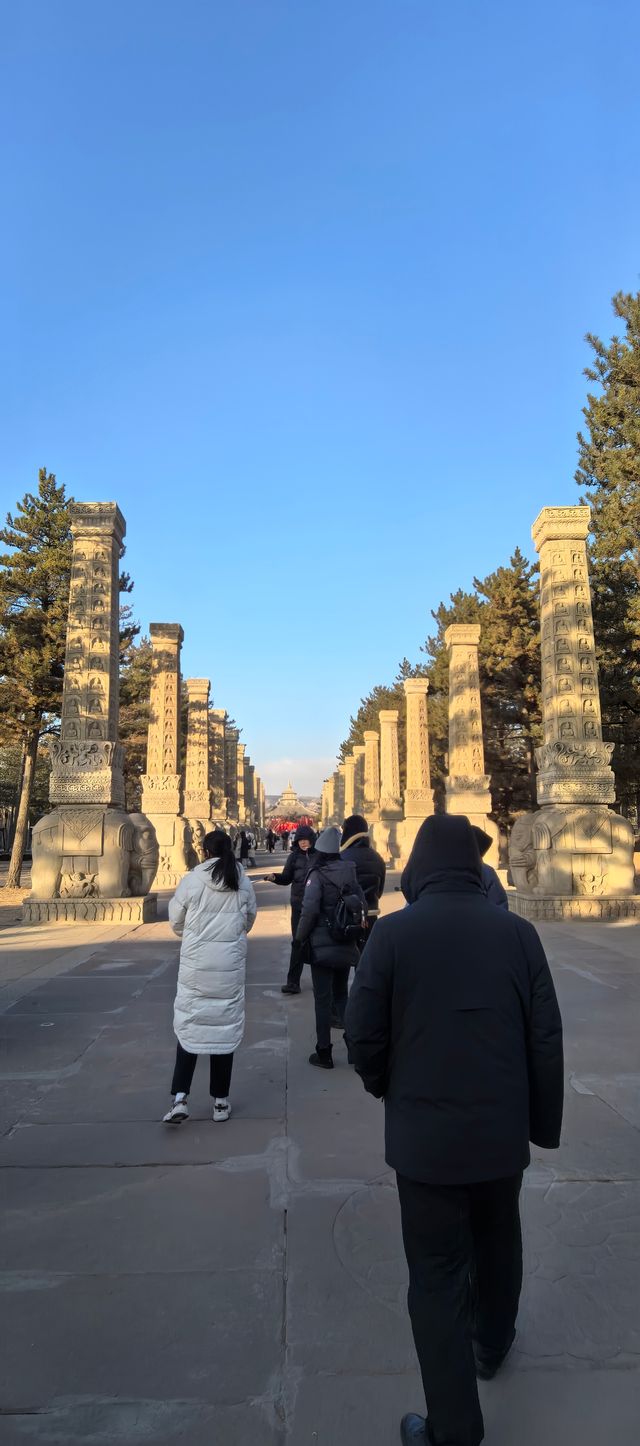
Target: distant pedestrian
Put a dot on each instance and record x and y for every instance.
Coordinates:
(453, 1020)
(331, 882)
(370, 866)
(284, 840)
(494, 890)
(245, 849)
(301, 857)
(271, 841)
(212, 910)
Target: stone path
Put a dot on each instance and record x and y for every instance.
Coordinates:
(225, 1285)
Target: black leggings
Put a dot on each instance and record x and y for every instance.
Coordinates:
(220, 1067)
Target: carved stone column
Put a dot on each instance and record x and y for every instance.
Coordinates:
(242, 807)
(217, 717)
(418, 797)
(468, 787)
(371, 775)
(573, 857)
(231, 736)
(387, 829)
(162, 783)
(197, 794)
(358, 753)
(340, 793)
(92, 861)
(330, 815)
(349, 766)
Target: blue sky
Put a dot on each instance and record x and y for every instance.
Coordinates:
(304, 288)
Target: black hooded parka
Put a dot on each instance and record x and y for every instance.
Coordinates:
(453, 1018)
(297, 866)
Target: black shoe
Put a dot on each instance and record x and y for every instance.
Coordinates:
(413, 1430)
(290, 989)
(488, 1363)
(321, 1058)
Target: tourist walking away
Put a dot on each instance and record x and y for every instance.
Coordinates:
(496, 894)
(370, 866)
(212, 910)
(332, 920)
(295, 871)
(245, 848)
(453, 1020)
(284, 840)
(271, 841)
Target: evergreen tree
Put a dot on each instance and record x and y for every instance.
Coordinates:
(609, 470)
(34, 598)
(383, 696)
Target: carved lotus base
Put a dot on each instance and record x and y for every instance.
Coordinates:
(140, 910)
(575, 907)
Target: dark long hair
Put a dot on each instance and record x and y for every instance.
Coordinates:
(218, 846)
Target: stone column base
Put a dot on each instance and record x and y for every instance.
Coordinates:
(574, 906)
(407, 831)
(140, 910)
(386, 839)
(174, 848)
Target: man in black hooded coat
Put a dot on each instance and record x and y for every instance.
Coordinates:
(453, 1020)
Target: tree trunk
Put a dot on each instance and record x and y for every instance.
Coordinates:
(22, 821)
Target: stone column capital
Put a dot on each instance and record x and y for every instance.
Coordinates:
(419, 686)
(561, 524)
(94, 519)
(166, 633)
(464, 635)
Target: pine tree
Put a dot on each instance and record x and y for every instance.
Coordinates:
(609, 469)
(34, 598)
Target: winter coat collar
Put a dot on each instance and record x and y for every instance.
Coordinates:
(354, 839)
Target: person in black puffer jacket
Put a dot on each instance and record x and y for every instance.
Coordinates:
(370, 867)
(453, 1020)
(295, 872)
(330, 961)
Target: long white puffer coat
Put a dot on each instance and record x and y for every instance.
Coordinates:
(213, 922)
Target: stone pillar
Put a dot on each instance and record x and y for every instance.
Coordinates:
(242, 812)
(92, 861)
(251, 793)
(349, 766)
(341, 793)
(231, 736)
(387, 829)
(331, 810)
(197, 794)
(418, 796)
(371, 775)
(358, 801)
(217, 718)
(468, 787)
(573, 857)
(162, 783)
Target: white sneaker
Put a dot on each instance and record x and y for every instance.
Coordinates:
(221, 1109)
(178, 1112)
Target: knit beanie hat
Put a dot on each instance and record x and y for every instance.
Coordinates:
(329, 841)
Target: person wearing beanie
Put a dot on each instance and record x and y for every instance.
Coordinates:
(370, 867)
(295, 873)
(453, 1020)
(329, 877)
(493, 888)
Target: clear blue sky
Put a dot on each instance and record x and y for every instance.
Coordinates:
(304, 286)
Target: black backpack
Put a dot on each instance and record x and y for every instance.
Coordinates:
(346, 921)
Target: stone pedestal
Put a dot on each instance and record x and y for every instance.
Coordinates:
(88, 849)
(573, 857)
(468, 787)
(371, 775)
(162, 784)
(418, 797)
(197, 793)
(387, 829)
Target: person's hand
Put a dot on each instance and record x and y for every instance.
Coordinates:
(269, 878)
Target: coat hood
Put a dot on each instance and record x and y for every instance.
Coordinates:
(203, 871)
(304, 830)
(444, 859)
(355, 827)
(329, 842)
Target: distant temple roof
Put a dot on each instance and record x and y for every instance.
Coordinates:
(288, 805)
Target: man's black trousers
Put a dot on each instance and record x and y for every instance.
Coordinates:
(464, 1251)
(296, 962)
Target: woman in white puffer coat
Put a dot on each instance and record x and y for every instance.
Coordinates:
(212, 910)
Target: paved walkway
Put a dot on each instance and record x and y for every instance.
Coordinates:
(243, 1284)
